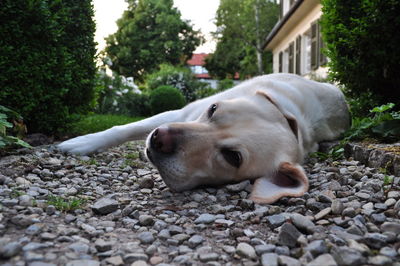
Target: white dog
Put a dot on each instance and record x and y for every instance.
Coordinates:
(259, 130)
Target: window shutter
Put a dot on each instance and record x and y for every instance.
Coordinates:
(281, 7)
(298, 55)
(280, 62)
(322, 57)
(291, 57)
(314, 46)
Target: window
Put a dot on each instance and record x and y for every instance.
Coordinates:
(280, 70)
(285, 65)
(298, 55)
(306, 53)
(291, 57)
(314, 46)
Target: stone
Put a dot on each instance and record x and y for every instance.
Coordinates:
(378, 218)
(115, 260)
(347, 256)
(288, 261)
(102, 245)
(323, 260)
(146, 220)
(380, 260)
(322, 213)
(267, 248)
(146, 237)
(337, 207)
(205, 218)
(206, 257)
(391, 227)
(302, 222)
(246, 251)
(83, 263)
(105, 206)
(238, 187)
(375, 240)
(79, 247)
(10, 250)
(139, 263)
(195, 240)
(276, 220)
(269, 259)
(288, 235)
(133, 257)
(146, 182)
(317, 247)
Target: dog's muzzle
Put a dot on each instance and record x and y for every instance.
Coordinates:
(163, 140)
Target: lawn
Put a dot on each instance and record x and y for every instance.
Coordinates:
(98, 122)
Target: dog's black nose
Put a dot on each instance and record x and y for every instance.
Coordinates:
(163, 140)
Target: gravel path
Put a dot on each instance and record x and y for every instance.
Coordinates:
(119, 212)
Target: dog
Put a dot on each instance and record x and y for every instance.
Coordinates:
(259, 130)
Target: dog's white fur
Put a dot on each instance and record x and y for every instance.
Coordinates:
(272, 120)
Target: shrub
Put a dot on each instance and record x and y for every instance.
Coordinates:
(17, 127)
(46, 60)
(205, 92)
(362, 42)
(116, 96)
(177, 77)
(225, 84)
(166, 98)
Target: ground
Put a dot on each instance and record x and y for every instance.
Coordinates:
(114, 209)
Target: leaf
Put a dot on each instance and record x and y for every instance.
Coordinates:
(388, 129)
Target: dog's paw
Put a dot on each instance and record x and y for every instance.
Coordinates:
(83, 145)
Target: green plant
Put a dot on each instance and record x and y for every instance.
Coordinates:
(381, 124)
(362, 44)
(132, 155)
(166, 98)
(178, 77)
(5, 138)
(335, 153)
(65, 205)
(47, 60)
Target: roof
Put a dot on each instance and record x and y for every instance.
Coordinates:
(197, 60)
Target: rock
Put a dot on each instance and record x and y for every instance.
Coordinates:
(269, 259)
(288, 235)
(276, 220)
(133, 257)
(375, 240)
(10, 250)
(380, 260)
(115, 261)
(146, 182)
(246, 251)
(146, 220)
(205, 218)
(105, 206)
(323, 213)
(347, 256)
(337, 207)
(302, 222)
(317, 247)
(139, 263)
(288, 261)
(79, 247)
(83, 263)
(378, 218)
(323, 260)
(206, 257)
(391, 227)
(102, 245)
(261, 249)
(146, 237)
(195, 240)
(238, 187)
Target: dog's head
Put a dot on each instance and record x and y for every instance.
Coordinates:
(233, 140)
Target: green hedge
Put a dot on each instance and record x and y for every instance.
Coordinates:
(47, 60)
(166, 98)
(363, 40)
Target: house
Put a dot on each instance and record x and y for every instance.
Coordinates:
(296, 40)
(196, 65)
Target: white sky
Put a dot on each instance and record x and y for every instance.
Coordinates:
(200, 12)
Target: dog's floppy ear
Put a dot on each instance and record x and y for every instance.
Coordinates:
(289, 117)
(288, 180)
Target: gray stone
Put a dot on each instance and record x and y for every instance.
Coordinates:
(79, 247)
(323, 213)
(25, 200)
(288, 261)
(10, 250)
(102, 245)
(317, 247)
(181, 238)
(206, 257)
(269, 259)
(323, 260)
(380, 260)
(391, 227)
(276, 220)
(33, 229)
(375, 240)
(288, 235)
(205, 218)
(349, 211)
(133, 257)
(261, 249)
(146, 182)
(246, 251)
(282, 250)
(378, 218)
(389, 252)
(146, 220)
(238, 187)
(347, 256)
(195, 240)
(302, 222)
(337, 206)
(105, 206)
(146, 237)
(83, 263)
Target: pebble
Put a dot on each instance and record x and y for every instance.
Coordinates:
(323, 260)
(205, 218)
(269, 259)
(246, 251)
(105, 206)
(146, 237)
(276, 220)
(288, 235)
(10, 250)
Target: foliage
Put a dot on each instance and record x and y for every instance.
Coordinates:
(46, 60)
(166, 98)
(381, 124)
(98, 122)
(149, 33)
(335, 153)
(65, 205)
(117, 96)
(242, 27)
(205, 92)
(5, 138)
(362, 42)
(225, 84)
(178, 77)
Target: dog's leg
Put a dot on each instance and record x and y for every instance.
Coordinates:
(100, 141)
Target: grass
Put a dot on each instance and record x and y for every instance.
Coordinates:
(65, 205)
(98, 122)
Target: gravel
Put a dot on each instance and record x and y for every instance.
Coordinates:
(127, 216)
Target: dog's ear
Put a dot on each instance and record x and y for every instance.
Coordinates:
(289, 116)
(288, 180)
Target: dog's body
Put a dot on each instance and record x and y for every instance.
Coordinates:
(259, 130)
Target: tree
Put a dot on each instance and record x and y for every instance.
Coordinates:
(242, 27)
(362, 43)
(47, 60)
(149, 33)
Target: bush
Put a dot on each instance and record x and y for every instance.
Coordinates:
(116, 96)
(7, 129)
(47, 60)
(362, 42)
(225, 84)
(166, 98)
(177, 77)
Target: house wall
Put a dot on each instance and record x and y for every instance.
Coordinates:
(298, 24)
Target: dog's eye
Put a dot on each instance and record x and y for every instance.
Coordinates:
(212, 110)
(234, 158)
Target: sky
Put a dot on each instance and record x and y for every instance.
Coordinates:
(201, 13)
